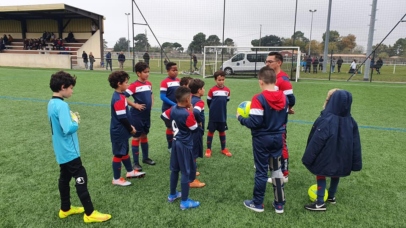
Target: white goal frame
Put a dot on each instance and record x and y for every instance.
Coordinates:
(249, 49)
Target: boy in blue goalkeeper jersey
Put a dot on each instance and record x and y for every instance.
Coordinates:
(64, 125)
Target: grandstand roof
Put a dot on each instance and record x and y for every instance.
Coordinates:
(45, 11)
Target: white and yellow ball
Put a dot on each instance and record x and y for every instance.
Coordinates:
(244, 109)
(313, 193)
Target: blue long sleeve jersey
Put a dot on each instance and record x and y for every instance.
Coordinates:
(64, 137)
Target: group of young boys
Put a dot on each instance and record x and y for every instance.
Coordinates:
(184, 118)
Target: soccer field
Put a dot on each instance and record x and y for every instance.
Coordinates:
(29, 193)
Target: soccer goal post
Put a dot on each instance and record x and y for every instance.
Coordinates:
(248, 60)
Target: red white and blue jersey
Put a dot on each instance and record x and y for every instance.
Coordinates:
(217, 99)
(168, 88)
(268, 114)
(198, 109)
(142, 94)
(283, 84)
(119, 110)
(183, 123)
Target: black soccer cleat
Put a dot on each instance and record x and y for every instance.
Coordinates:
(315, 207)
(148, 161)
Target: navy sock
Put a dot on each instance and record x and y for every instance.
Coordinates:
(173, 182)
(144, 147)
(333, 187)
(321, 188)
(127, 163)
(223, 140)
(209, 139)
(116, 167)
(135, 147)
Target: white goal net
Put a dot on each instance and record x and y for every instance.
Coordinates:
(247, 61)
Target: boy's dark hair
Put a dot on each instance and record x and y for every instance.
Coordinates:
(141, 66)
(185, 80)
(182, 93)
(267, 75)
(219, 73)
(169, 65)
(60, 80)
(195, 85)
(277, 55)
(117, 77)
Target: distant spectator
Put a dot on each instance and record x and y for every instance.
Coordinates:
(108, 61)
(353, 67)
(308, 63)
(146, 58)
(194, 62)
(91, 61)
(94, 29)
(303, 63)
(339, 63)
(315, 64)
(121, 60)
(378, 65)
(333, 65)
(321, 60)
(372, 63)
(166, 62)
(85, 60)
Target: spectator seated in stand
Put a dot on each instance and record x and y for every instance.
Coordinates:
(70, 38)
(10, 39)
(2, 46)
(5, 40)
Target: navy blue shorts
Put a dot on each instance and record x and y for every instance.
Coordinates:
(198, 143)
(182, 159)
(120, 147)
(141, 125)
(217, 126)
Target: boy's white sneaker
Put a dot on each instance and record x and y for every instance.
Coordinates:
(135, 174)
(121, 182)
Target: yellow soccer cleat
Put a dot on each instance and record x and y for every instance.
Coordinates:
(72, 211)
(96, 217)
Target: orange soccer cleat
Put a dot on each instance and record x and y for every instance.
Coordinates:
(208, 153)
(226, 152)
(196, 184)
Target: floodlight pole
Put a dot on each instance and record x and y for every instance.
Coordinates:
(260, 34)
(370, 38)
(293, 44)
(224, 21)
(327, 36)
(311, 28)
(128, 34)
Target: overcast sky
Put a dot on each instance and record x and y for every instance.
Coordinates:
(179, 20)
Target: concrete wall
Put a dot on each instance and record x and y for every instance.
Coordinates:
(33, 60)
(91, 45)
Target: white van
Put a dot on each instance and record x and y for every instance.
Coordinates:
(245, 62)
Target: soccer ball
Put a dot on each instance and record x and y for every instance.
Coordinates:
(313, 193)
(244, 109)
